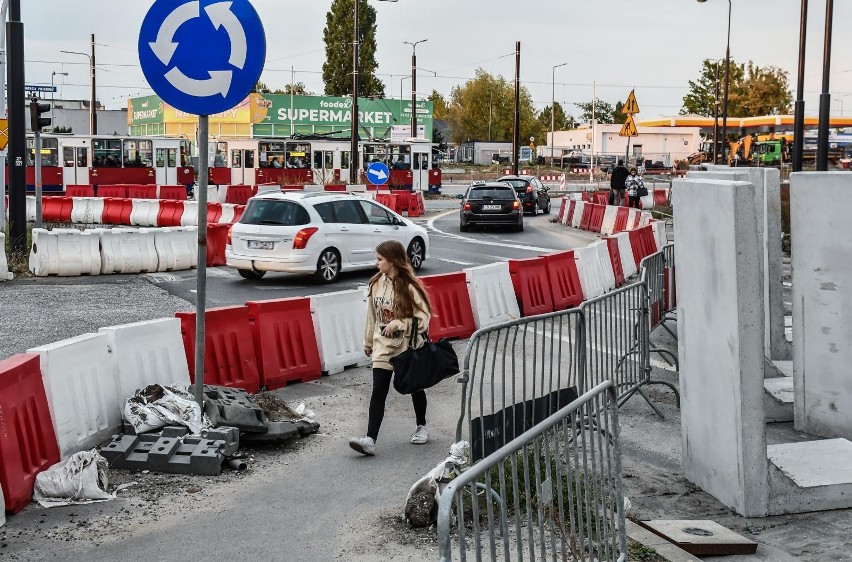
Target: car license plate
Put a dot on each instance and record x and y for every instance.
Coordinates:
(492, 207)
(261, 245)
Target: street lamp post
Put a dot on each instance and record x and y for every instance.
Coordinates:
(553, 108)
(799, 119)
(727, 81)
(52, 95)
(404, 78)
(93, 115)
(356, 47)
(414, 84)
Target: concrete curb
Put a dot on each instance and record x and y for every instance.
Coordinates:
(664, 548)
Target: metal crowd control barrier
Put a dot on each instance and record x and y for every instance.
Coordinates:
(552, 493)
(658, 270)
(517, 373)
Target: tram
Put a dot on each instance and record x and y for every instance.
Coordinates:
(69, 159)
(318, 160)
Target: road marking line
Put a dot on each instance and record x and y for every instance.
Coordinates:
(457, 262)
(431, 226)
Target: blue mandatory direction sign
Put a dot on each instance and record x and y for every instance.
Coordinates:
(378, 173)
(202, 56)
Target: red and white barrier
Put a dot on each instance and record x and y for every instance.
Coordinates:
(491, 296)
(339, 319)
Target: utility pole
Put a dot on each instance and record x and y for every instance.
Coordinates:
(93, 112)
(799, 122)
(825, 97)
(4, 8)
(414, 85)
(17, 132)
(516, 136)
(353, 141)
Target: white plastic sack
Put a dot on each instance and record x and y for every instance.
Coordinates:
(157, 406)
(421, 504)
(81, 478)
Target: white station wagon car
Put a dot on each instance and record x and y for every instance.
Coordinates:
(318, 233)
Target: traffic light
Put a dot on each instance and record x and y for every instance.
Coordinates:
(37, 122)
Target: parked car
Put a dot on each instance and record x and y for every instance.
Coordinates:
(491, 203)
(531, 192)
(318, 233)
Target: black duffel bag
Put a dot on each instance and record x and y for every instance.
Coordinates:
(424, 367)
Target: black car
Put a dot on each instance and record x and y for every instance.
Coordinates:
(531, 192)
(491, 203)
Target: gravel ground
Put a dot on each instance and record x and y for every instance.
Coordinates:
(40, 311)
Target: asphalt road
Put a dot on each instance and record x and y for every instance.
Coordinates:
(450, 251)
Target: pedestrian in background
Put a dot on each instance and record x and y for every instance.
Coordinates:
(616, 183)
(634, 184)
(396, 298)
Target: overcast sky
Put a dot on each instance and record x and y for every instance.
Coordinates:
(654, 46)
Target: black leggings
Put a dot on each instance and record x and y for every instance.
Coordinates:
(634, 201)
(381, 387)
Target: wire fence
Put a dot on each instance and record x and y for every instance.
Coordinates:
(554, 492)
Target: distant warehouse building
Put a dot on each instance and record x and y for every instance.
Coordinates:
(662, 145)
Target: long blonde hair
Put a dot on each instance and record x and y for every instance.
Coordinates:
(404, 279)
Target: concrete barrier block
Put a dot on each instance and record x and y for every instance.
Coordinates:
(81, 391)
(87, 210)
(339, 319)
(491, 294)
(143, 353)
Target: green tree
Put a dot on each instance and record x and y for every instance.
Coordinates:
(261, 88)
(604, 112)
(439, 105)
(617, 115)
(561, 120)
(483, 109)
(753, 90)
(298, 88)
(337, 69)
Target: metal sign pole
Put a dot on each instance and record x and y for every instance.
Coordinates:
(201, 274)
(37, 156)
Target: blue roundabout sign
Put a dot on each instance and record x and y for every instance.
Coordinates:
(378, 173)
(202, 56)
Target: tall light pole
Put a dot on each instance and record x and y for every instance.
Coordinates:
(553, 108)
(52, 95)
(825, 97)
(799, 119)
(404, 78)
(93, 116)
(727, 81)
(414, 84)
(353, 141)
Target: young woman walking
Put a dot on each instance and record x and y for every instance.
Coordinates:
(396, 299)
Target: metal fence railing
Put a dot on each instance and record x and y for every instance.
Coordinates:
(658, 270)
(554, 492)
(515, 374)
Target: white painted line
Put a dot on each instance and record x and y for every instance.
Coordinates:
(457, 262)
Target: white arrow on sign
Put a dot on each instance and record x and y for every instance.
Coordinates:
(164, 47)
(220, 15)
(380, 174)
(218, 83)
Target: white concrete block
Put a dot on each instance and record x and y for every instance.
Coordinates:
(810, 476)
(339, 321)
(144, 353)
(492, 296)
(81, 391)
(822, 302)
(778, 399)
(65, 252)
(720, 333)
(87, 210)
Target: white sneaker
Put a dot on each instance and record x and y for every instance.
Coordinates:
(420, 435)
(364, 445)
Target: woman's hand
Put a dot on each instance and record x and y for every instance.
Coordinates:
(388, 331)
(368, 351)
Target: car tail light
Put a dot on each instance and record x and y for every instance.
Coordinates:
(466, 206)
(229, 239)
(516, 205)
(302, 237)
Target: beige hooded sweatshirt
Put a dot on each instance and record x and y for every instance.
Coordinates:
(380, 305)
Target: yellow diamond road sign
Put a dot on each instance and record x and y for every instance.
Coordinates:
(629, 128)
(630, 106)
(4, 133)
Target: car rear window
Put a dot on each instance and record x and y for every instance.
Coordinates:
(519, 185)
(490, 192)
(277, 213)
